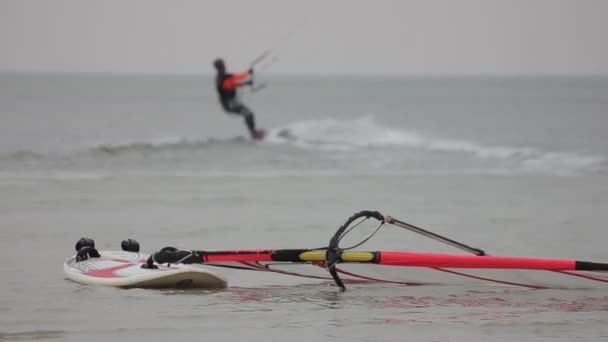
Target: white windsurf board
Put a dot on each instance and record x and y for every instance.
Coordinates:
(123, 269)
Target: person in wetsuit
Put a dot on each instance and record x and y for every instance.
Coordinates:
(226, 85)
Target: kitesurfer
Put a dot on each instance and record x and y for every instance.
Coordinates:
(227, 85)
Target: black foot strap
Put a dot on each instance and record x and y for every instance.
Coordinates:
(85, 252)
(170, 255)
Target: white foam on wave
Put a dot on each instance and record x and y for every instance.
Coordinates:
(358, 134)
(348, 135)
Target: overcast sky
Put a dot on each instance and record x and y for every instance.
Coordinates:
(349, 36)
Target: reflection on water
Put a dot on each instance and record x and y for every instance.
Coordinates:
(387, 304)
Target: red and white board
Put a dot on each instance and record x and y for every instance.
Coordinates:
(123, 269)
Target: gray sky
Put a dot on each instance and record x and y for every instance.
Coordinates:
(375, 36)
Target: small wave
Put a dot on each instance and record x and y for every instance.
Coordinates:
(32, 335)
(25, 159)
(353, 135)
(166, 144)
(24, 156)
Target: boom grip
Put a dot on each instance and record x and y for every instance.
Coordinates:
(334, 253)
(364, 213)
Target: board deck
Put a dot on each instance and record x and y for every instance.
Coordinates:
(123, 269)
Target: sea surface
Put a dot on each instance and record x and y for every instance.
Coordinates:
(516, 166)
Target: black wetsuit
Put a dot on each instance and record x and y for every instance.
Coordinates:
(231, 103)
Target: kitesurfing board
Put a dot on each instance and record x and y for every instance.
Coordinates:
(260, 134)
(123, 269)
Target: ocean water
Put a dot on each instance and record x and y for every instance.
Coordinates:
(516, 166)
